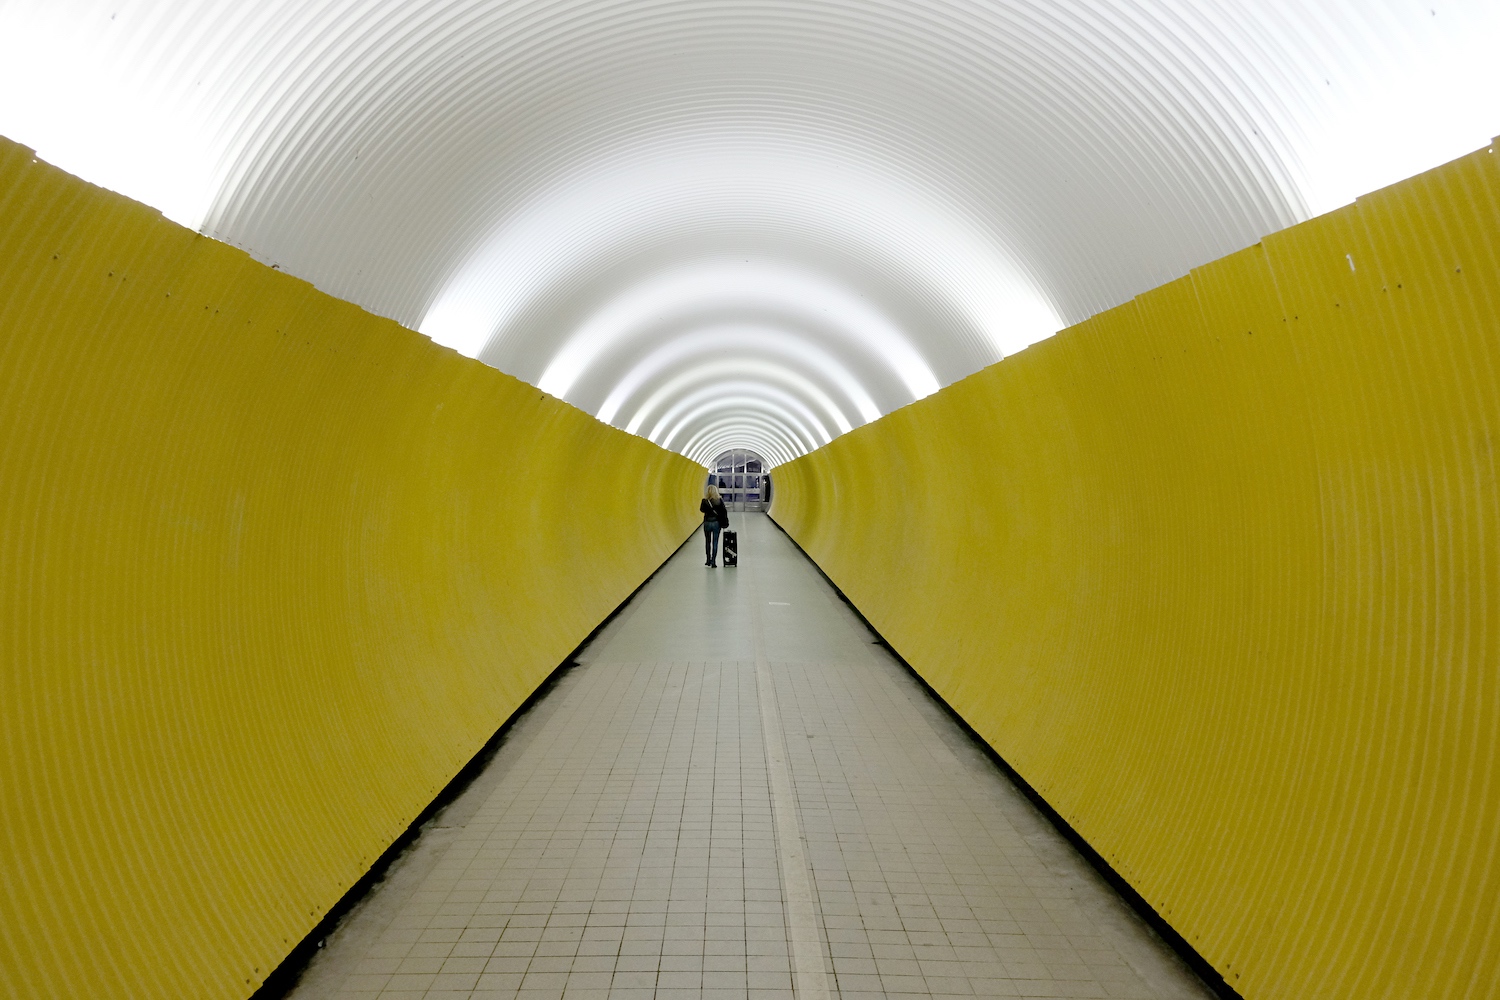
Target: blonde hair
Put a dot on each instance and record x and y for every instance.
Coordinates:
(713, 492)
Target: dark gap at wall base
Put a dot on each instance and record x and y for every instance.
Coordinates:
(284, 978)
(1210, 976)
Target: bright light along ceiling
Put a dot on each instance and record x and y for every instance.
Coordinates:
(745, 224)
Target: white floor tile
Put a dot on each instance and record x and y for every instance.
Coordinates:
(623, 841)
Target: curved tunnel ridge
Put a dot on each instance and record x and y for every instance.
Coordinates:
(976, 172)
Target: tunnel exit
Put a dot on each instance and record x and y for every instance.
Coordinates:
(743, 480)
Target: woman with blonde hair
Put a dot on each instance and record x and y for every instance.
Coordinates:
(715, 520)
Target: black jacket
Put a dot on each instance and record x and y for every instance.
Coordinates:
(715, 511)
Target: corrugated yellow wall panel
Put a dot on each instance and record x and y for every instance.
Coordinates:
(271, 571)
(1218, 571)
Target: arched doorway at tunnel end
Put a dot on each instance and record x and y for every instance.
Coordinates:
(742, 479)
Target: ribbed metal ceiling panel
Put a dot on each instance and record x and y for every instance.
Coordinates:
(744, 223)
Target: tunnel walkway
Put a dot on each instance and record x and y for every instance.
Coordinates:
(737, 792)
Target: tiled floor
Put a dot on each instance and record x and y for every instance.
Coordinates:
(634, 837)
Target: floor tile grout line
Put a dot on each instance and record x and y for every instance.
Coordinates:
(811, 976)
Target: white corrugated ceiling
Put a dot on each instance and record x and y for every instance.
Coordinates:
(734, 223)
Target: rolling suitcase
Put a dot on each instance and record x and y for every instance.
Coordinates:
(731, 548)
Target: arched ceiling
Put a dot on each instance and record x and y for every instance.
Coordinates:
(744, 223)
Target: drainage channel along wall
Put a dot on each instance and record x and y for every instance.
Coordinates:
(1218, 573)
(271, 571)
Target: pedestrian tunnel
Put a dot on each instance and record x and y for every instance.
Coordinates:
(1107, 396)
(1211, 572)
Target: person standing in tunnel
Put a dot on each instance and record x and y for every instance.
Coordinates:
(715, 520)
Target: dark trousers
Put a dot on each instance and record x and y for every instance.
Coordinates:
(711, 541)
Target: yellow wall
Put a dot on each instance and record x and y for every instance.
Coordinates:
(1218, 572)
(271, 571)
